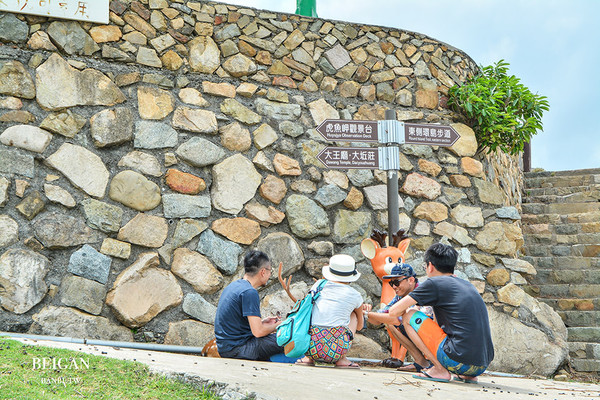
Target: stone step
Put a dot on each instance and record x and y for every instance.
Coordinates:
(558, 276)
(571, 304)
(567, 235)
(584, 334)
(580, 318)
(580, 197)
(584, 365)
(575, 172)
(560, 208)
(561, 180)
(561, 228)
(584, 350)
(565, 291)
(558, 191)
(574, 250)
(562, 263)
(572, 218)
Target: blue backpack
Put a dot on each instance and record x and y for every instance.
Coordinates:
(293, 334)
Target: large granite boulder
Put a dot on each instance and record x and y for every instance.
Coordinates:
(22, 274)
(142, 291)
(523, 349)
(68, 322)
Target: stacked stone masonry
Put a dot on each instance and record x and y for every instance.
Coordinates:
(139, 160)
(561, 226)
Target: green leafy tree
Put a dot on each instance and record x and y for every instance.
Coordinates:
(502, 111)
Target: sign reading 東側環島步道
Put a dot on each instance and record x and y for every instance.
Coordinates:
(430, 134)
(87, 10)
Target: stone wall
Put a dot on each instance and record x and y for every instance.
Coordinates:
(140, 160)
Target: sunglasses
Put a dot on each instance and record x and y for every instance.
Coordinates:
(396, 282)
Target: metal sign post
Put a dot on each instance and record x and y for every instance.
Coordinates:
(392, 188)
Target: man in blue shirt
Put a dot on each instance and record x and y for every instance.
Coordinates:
(239, 330)
(460, 342)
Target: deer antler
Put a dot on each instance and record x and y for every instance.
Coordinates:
(286, 284)
(398, 237)
(379, 237)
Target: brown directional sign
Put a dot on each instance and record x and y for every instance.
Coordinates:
(350, 157)
(348, 130)
(430, 134)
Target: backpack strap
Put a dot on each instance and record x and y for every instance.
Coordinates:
(316, 293)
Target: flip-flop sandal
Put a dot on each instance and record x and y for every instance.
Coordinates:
(414, 367)
(471, 381)
(392, 363)
(428, 377)
(349, 366)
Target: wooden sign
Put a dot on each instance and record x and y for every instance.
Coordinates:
(87, 10)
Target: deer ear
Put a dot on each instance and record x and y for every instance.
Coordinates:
(403, 245)
(369, 248)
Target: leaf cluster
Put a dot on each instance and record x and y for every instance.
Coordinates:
(501, 110)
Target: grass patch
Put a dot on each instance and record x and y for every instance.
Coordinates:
(28, 372)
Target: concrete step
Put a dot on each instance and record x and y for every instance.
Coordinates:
(575, 172)
(584, 334)
(570, 304)
(558, 191)
(568, 235)
(561, 180)
(561, 228)
(558, 276)
(580, 318)
(560, 208)
(584, 350)
(584, 365)
(572, 218)
(565, 291)
(573, 250)
(581, 194)
(563, 263)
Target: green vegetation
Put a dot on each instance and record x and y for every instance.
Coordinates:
(503, 112)
(81, 375)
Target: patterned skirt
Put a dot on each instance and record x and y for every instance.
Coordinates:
(329, 344)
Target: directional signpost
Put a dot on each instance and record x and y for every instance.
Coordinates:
(387, 158)
(387, 131)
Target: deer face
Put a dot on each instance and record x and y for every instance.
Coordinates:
(383, 259)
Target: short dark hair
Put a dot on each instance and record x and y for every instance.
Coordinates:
(442, 256)
(254, 260)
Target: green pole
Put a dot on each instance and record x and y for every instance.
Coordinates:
(308, 8)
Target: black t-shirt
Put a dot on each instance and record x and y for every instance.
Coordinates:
(462, 314)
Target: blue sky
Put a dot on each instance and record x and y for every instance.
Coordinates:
(552, 46)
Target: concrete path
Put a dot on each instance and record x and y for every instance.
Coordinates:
(294, 382)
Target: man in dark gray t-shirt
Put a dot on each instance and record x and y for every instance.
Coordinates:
(460, 342)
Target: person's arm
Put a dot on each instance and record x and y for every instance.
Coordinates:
(381, 318)
(360, 323)
(398, 309)
(263, 328)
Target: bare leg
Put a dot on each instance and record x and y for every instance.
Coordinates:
(343, 361)
(410, 346)
(437, 371)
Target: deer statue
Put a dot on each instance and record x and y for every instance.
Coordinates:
(382, 260)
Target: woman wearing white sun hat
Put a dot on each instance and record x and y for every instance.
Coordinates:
(336, 315)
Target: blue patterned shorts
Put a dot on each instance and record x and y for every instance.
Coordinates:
(454, 366)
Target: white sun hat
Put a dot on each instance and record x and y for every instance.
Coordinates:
(341, 268)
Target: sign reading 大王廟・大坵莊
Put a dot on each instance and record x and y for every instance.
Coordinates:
(87, 10)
